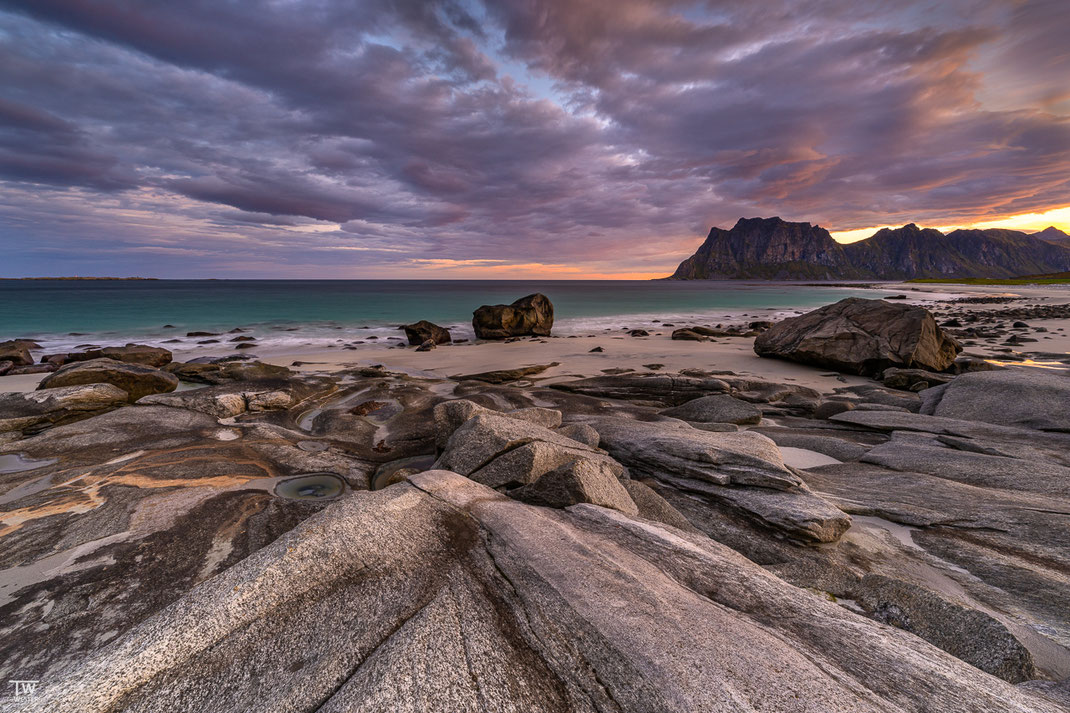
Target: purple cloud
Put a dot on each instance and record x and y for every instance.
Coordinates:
(346, 139)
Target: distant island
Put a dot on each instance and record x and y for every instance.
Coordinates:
(79, 278)
(774, 249)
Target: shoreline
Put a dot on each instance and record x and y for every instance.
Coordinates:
(656, 352)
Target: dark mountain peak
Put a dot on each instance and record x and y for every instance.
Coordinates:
(775, 249)
(765, 248)
(909, 232)
(766, 223)
(1052, 234)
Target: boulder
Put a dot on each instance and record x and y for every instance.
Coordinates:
(34, 410)
(531, 315)
(137, 380)
(17, 352)
(526, 450)
(422, 331)
(579, 481)
(529, 462)
(6, 366)
(231, 399)
(647, 389)
(131, 354)
(1013, 397)
(861, 337)
(505, 376)
(33, 369)
(450, 415)
(657, 448)
(689, 335)
(741, 471)
(719, 408)
(581, 432)
(223, 372)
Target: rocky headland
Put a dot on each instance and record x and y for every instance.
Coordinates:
(774, 249)
(870, 515)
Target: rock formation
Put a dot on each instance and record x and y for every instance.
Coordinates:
(135, 379)
(285, 541)
(422, 331)
(861, 336)
(773, 249)
(531, 315)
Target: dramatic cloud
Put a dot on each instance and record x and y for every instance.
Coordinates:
(329, 138)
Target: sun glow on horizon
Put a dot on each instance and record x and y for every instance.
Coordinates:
(1026, 222)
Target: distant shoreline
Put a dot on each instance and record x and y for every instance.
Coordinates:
(71, 279)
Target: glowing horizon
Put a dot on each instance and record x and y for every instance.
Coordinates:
(1058, 218)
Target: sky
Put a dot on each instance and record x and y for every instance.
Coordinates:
(517, 139)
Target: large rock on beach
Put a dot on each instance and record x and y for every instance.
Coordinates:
(35, 410)
(17, 351)
(137, 380)
(531, 315)
(419, 332)
(861, 337)
(223, 372)
(131, 354)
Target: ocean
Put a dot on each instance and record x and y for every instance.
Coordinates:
(292, 316)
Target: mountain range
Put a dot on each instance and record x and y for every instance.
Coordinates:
(774, 249)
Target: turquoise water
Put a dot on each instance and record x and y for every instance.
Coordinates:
(283, 313)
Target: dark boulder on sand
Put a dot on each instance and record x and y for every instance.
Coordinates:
(17, 352)
(531, 315)
(131, 354)
(137, 380)
(862, 337)
(226, 371)
(422, 331)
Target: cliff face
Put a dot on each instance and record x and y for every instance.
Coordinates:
(766, 249)
(772, 249)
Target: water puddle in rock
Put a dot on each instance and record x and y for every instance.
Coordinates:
(382, 476)
(15, 463)
(313, 486)
(803, 458)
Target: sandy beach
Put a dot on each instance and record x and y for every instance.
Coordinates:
(656, 352)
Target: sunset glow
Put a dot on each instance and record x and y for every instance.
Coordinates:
(1026, 222)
